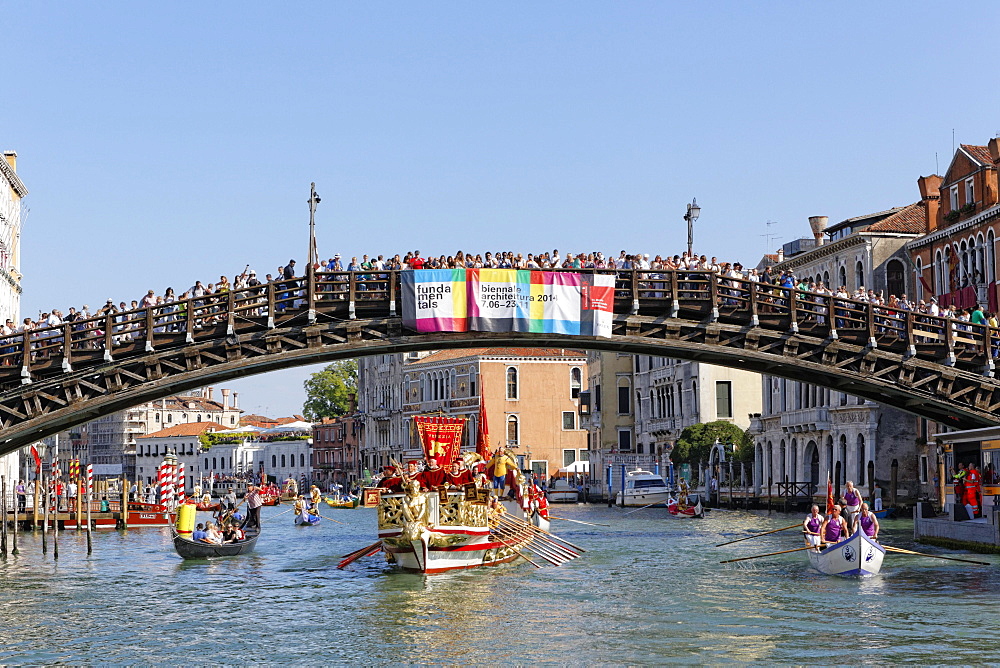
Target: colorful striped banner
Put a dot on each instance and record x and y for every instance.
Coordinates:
(508, 300)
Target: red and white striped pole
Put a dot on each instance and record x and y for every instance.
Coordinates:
(90, 482)
(180, 483)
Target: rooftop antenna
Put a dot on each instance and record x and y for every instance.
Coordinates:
(769, 236)
(937, 167)
(953, 141)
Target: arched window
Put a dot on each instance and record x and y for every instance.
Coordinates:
(981, 276)
(282, 461)
(695, 404)
(842, 460)
(859, 275)
(918, 285)
(826, 278)
(937, 277)
(513, 430)
(843, 276)
(274, 461)
(302, 459)
(575, 382)
(781, 461)
(170, 417)
(512, 388)
(199, 418)
(215, 463)
(991, 257)
(156, 418)
(895, 278)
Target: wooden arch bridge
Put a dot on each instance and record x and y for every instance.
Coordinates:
(57, 377)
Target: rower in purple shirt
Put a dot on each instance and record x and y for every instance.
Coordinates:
(834, 528)
(867, 522)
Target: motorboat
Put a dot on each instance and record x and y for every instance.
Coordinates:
(643, 488)
(563, 491)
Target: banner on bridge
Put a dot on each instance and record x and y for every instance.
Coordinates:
(508, 300)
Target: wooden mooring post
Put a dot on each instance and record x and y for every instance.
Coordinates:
(80, 487)
(45, 514)
(3, 525)
(123, 495)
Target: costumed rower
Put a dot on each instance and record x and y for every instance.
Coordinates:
(834, 527)
(433, 476)
(811, 526)
(853, 503)
(867, 522)
(392, 482)
(459, 476)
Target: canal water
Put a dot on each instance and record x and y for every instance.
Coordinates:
(649, 590)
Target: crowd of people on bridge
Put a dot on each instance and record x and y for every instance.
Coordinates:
(211, 299)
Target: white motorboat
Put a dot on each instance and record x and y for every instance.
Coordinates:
(857, 556)
(562, 491)
(643, 488)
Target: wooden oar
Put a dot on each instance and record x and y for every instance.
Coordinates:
(935, 556)
(537, 534)
(648, 505)
(547, 553)
(792, 526)
(330, 518)
(590, 524)
(532, 527)
(357, 554)
(769, 554)
(280, 514)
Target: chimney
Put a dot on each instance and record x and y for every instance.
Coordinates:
(208, 393)
(236, 400)
(930, 198)
(225, 398)
(352, 402)
(781, 255)
(11, 158)
(818, 224)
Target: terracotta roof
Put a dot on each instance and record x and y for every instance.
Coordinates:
(187, 429)
(979, 153)
(287, 420)
(870, 218)
(910, 219)
(445, 355)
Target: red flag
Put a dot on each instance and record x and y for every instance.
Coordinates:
(829, 494)
(483, 430)
(38, 460)
(441, 437)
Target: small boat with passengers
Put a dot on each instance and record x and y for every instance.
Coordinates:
(189, 548)
(855, 556)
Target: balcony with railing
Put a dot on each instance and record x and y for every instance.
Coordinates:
(806, 419)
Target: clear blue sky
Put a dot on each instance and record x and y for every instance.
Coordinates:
(168, 142)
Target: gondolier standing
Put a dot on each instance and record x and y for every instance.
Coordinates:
(811, 526)
(254, 502)
(853, 503)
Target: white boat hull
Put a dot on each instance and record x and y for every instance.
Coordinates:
(856, 556)
(563, 497)
(642, 498)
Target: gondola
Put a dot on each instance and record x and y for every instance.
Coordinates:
(189, 549)
(306, 520)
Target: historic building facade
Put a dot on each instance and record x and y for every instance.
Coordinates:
(638, 405)
(12, 192)
(956, 260)
(805, 432)
(531, 399)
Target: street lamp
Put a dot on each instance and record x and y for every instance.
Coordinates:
(312, 202)
(692, 215)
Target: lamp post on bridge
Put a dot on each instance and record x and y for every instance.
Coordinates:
(312, 202)
(693, 211)
(313, 254)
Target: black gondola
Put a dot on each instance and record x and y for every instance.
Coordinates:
(190, 549)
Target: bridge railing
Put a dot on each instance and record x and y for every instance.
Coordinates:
(374, 294)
